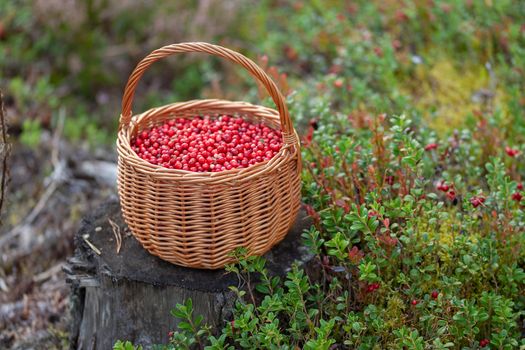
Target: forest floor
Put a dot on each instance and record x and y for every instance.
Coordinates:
(49, 207)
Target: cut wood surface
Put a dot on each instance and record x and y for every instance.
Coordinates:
(129, 295)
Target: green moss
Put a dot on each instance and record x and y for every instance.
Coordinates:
(447, 93)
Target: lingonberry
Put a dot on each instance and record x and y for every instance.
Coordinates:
(434, 294)
(414, 302)
(431, 146)
(372, 287)
(338, 83)
(484, 342)
(476, 201)
(520, 186)
(517, 196)
(451, 195)
(442, 186)
(512, 152)
(204, 144)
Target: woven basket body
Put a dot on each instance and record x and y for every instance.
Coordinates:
(197, 219)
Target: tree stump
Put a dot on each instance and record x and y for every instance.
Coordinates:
(128, 295)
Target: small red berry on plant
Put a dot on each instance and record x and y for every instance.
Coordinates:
(414, 302)
(476, 201)
(431, 146)
(512, 152)
(517, 196)
(442, 186)
(484, 342)
(520, 186)
(372, 287)
(451, 195)
(435, 294)
(338, 83)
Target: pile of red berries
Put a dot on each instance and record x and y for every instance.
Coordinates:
(203, 144)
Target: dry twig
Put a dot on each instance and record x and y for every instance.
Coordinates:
(91, 245)
(117, 234)
(41, 277)
(4, 153)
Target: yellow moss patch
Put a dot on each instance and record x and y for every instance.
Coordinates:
(444, 92)
(395, 312)
(446, 236)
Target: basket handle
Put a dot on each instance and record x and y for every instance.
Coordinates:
(249, 65)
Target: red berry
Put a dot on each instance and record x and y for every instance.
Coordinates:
(476, 201)
(372, 287)
(517, 196)
(451, 195)
(512, 152)
(520, 186)
(435, 294)
(431, 146)
(203, 144)
(414, 302)
(338, 83)
(442, 186)
(484, 342)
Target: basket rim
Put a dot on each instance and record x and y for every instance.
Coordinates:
(288, 152)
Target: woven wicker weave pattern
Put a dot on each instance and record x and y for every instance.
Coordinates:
(197, 219)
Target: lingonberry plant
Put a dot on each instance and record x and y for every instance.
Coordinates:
(203, 144)
(400, 264)
(415, 191)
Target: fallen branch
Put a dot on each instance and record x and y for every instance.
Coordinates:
(4, 151)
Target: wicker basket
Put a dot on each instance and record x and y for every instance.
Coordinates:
(196, 219)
